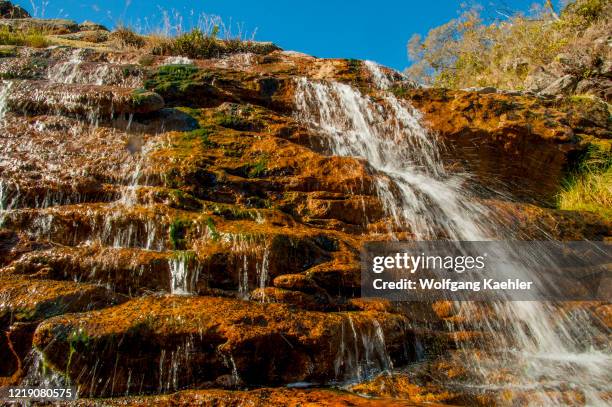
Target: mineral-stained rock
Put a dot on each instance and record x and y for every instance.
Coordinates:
(255, 398)
(501, 138)
(128, 271)
(179, 341)
(532, 222)
(25, 302)
(43, 97)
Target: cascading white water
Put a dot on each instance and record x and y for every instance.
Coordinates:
(541, 350)
(183, 274)
(5, 88)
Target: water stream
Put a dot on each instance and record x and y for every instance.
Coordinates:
(540, 350)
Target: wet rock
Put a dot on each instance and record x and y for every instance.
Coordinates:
(532, 222)
(25, 302)
(9, 10)
(256, 398)
(197, 339)
(297, 299)
(352, 209)
(36, 97)
(500, 138)
(401, 386)
(126, 271)
(192, 86)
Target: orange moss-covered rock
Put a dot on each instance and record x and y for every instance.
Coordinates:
(207, 337)
(256, 398)
(520, 144)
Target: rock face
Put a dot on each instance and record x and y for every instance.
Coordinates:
(213, 340)
(169, 224)
(9, 10)
(500, 137)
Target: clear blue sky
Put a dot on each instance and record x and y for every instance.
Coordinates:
(376, 30)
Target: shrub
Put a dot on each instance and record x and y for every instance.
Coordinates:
(127, 38)
(468, 52)
(194, 44)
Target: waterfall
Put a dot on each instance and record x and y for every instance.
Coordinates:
(539, 349)
(4, 92)
(183, 273)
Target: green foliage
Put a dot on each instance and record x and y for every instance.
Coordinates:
(178, 232)
(29, 38)
(467, 52)
(582, 14)
(140, 96)
(201, 134)
(212, 229)
(259, 167)
(6, 52)
(588, 186)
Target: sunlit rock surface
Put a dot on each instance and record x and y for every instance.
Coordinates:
(170, 225)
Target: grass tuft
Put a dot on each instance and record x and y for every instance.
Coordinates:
(588, 187)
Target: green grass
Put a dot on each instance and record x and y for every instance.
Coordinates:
(28, 38)
(178, 232)
(588, 187)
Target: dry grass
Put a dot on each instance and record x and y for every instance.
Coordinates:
(468, 52)
(589, 186)
(28, 38)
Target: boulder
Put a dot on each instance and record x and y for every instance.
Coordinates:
(91, 26)
(500, 138)
(9, 10)
(25, 302)
(562, 86)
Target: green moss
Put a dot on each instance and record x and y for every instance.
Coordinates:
(232, 212)
(354, 65)
(78, 340)
(140, 96)
(399, 91)
(259, 167)
(178, 232)
(182, 200)
(173, 82)
(202, 134)
(212, 229)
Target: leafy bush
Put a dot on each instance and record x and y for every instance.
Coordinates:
(468, 52)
